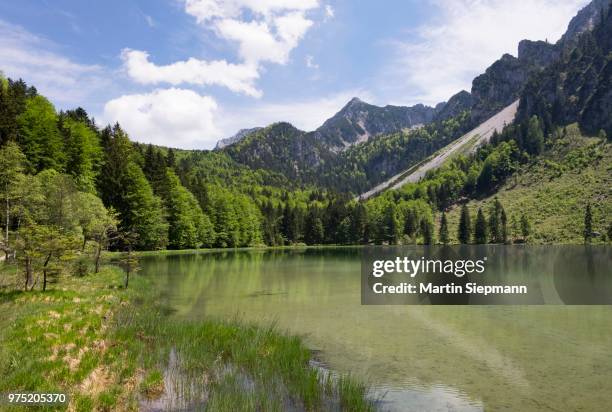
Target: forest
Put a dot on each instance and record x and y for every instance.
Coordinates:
(70, 187)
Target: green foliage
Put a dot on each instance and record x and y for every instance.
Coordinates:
(588, 224)
(464, 233)
(188, 226)
(83, 152)
(39, 136)
(443, 235)
(480, 228)
(235, 217)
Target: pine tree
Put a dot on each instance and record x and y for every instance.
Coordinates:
(427, 231)
(464, 233)
(525, 227)
(314, 231)
(391, 225)
(480, 228)
(535, 136)
(504, 226)
(410, 223)
(495, 223)
(444, 230)
(171, 159)
(588, 224)
(359, 221)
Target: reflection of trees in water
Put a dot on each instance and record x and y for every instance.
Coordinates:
(583, 275)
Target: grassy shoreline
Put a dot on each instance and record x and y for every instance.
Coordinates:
(112, 348)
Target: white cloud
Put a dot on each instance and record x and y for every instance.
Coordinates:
(259, 41)
(205, 10)
(171, 117)
(25, 55)
(309, 59)
(150, 21)
(444, 56)
(265, 30)
(271, 31)
(329, 12)
(236, 77)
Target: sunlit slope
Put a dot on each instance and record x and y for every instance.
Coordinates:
(554, 190)
(465, 144)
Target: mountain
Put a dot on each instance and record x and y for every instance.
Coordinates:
(585, 20)
(358, 121)
(280, 147)
(503, 82)
(242, 133)
(578, 87)
(535, 76)
(456, 105)
(299, 155)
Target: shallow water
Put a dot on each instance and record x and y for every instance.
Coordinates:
(439, 358)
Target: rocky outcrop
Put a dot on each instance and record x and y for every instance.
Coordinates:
(577, 88)
(358, 121)
(242, 133)
(584, 21)
(456, 105)
(499, 86)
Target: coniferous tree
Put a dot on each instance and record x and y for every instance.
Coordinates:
(171, 159)
(495, 222)
(391, 225)
(480, 228)
(410, 223)
(123, 186)
(314, 231)
(464, 232)
(444, 230)
(427, 231)
(535, 136)
(359, 222)
(525, 226)
(504, 226)
(588, 224)
(82, 149)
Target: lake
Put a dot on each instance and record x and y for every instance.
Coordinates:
(434, 358)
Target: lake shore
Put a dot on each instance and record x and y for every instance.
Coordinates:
(110, 348)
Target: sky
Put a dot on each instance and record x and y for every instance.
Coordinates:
(185, 73)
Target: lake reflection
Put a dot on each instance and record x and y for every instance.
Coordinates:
(420, 357)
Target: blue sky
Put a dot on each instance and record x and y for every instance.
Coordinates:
(185, 73)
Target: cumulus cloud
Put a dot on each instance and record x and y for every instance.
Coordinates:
(264, 30)
(206, 10)
(25, 55)
(236, 77)
(170, 117)
(443, 57)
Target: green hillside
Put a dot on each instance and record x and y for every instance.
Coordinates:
(553, 191)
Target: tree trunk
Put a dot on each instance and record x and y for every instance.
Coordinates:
(7, 222)
(98, 253)
(28, 269)
(45, 272)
